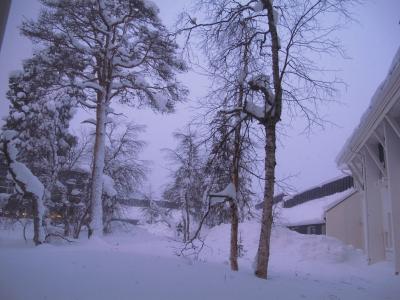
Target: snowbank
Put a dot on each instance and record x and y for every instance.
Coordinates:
(288, 247)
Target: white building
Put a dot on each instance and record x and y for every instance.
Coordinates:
(372, 155)
(344, 220)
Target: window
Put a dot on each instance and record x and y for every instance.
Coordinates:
(7, 187)
(312, 229)
(381, 154)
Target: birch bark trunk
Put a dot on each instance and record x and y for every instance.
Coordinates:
(266, 220)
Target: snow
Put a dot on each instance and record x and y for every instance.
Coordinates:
(228, 192)
(23, 174)
(123, 62)
(258, 6)
(51, 106)
(89, 121)
(109, 186)
(135, 264)
(256, 110)
(216, 200)
(31, 182)
(151, 5)
(275, 13)
(90, 85)
(17, 115)
(25, 108)
(4, 198)
(76, 192)
(161, 101)
(21, 95)
(135, 213)
(311, 212)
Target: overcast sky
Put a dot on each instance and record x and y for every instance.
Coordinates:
(371, 43)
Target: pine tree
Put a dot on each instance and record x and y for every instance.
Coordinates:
(40, 112)
(118, 51)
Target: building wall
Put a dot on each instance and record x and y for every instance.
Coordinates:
(345, 221)
(4, 10)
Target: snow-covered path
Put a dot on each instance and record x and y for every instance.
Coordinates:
(140, 265)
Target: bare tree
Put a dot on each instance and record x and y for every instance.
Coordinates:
(122, 165)
(187, 184)
(287, 36)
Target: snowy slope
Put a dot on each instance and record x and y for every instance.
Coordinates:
(140, 265)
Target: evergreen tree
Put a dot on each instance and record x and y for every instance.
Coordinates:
(121, 52)
(40, 112)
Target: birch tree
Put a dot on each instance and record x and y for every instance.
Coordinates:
(188, 180)
(290, 36)
(122, 165)
(113, 51)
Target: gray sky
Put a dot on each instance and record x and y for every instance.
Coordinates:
(371, 43)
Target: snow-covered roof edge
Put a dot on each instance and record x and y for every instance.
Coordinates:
(380, 104)
(340, 200)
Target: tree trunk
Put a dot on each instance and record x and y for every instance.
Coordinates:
(234, 237)
(37, 239)
(185, 238)
(233, 202)
(266, 221)
(235, 174)
(270, 151)
(96, 205)
(187, 212)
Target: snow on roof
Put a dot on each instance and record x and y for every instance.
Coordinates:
(339, 200)
(311, 212)
(378, 103)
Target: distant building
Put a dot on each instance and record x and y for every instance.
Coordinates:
(73, 187)
(305, 212)
(372, 155)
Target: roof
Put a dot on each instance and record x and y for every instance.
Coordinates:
(332, 186)
(381, 102)
(336, 185)
(277, 198)
(310, 212)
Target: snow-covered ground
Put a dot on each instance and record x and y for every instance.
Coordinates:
(141, 264)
